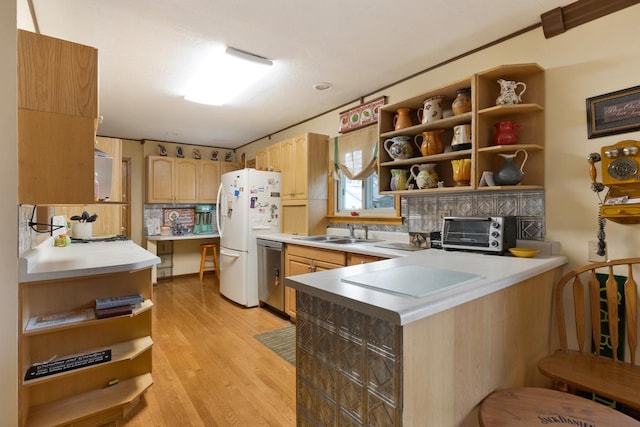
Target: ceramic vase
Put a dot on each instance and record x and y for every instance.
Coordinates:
(399, 179)
(461, 171)
(507, 133)
(462, 103)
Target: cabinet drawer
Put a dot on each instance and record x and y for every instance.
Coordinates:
(326, 255)
(165, 247)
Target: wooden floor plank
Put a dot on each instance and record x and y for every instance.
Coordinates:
(208, 369)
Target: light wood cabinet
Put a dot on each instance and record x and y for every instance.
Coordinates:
(186, 180)
(209, 181)
(228, 167)
(82, 395)
(485, 114)
(268, 159)
(57, 118)
(262, 160)
(353, 258)
(305, 259)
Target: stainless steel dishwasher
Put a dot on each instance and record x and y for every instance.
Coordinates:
(271, 274)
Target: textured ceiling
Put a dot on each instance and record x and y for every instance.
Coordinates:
(149, 48)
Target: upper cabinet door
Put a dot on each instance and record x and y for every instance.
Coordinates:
(186, 173)
(209, 181)
(159, 179)
(57, 76)
(57, 118)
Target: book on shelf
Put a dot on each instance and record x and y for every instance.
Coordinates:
(102, 303)
(120, 310)
(56, 319)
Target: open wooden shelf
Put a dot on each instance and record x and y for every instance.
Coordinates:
(122, 351)
(110, 401)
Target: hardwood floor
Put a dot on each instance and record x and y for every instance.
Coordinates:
(208, 369)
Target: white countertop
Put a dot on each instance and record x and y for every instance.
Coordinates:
(496, 273)
(184, 236)
(358, 248)
(46, 262)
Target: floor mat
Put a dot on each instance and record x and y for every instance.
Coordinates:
(282, 342)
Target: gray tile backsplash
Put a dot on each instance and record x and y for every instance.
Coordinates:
(424, 212)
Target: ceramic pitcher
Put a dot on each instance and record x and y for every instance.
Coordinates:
(507, 133)
(399, 179)
(508, 93)
(425, 175)
(461, 135)
(432, 109)
(399, 147)
(510, 174)
(402, 119)
(430, 142)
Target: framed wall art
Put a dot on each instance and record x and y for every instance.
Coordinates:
(613, 113)
(362, 115)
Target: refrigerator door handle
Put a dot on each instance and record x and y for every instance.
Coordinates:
(222, 252)
(218, 210)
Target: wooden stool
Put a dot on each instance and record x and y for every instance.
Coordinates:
(205, 257)
(532, 406)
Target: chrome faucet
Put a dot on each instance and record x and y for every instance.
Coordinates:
(351, 230)
(366, 232)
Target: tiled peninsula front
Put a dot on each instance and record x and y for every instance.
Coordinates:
(372, 357)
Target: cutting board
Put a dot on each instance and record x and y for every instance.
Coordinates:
(411, 280)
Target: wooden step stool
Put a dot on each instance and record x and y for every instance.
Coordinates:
(206, 257)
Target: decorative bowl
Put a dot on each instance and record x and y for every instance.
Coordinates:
(524, 252)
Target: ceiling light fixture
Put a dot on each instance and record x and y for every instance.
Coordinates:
(224, 75)
(323, 86)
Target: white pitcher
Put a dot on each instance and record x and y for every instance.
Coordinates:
(508, 93)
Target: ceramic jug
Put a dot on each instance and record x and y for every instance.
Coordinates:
(510, 174)
(462, 103)
(508, 93)
(402, 119)
(399, 147)
(461, 135)
(432, 109)
(431, 142)
(425, 175)
(399, 179)
(507, 133)
(461, 171)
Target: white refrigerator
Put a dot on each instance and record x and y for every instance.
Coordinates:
(248, 204)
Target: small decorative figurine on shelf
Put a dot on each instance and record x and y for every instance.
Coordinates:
(214, 155)
(196, 154)
(162, 150)
(179, 153)
(228, 156)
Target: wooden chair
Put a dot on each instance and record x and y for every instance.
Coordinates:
(580, 368)
(585, 369)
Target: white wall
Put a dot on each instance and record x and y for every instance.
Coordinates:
(8, 213)
(596, 58)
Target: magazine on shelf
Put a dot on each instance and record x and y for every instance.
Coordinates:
(102, 303)
(73, 316)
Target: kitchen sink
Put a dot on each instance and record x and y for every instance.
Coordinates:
(340, 240)
(322, 238)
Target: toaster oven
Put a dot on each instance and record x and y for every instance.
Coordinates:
(495, 234)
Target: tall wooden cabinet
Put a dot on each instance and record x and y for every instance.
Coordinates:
(305, 166)
(269, 158)
(57, 119)
(484, 155)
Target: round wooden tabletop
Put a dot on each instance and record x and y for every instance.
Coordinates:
(531, 406)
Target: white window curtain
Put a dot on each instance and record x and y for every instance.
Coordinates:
(355, 153)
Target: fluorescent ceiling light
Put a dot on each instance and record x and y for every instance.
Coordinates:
(224, 75)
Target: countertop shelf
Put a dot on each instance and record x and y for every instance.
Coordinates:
(183, 237)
